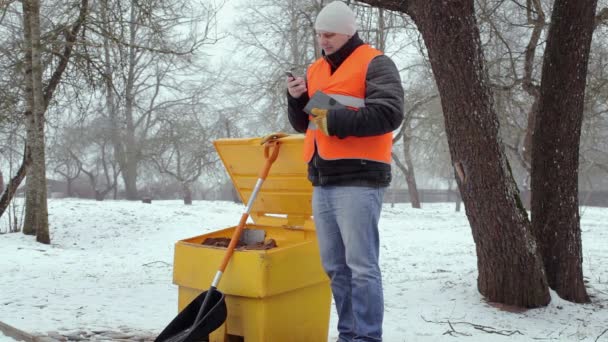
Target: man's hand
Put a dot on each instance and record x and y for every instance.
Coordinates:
(273, 136)
(320, 119)
(296, 86)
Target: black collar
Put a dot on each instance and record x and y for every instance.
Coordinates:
(336, 58)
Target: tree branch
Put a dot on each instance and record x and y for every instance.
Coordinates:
(484, 328)
(539, 23)
(13, 185)
(401, 6)
(70, 39)
(409, 114)
(399, 164)
(603, 332)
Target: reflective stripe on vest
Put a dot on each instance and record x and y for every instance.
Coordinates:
(347, 86)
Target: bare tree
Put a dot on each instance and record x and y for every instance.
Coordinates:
(509, 263)
(144, 52)
(63, 160)
(36, 211)
(378, 26)
(514, 36)
(95, 157)
(183, 149)
(406, 135)
(280, 37)
(105, 168)
(37, 101)
(555, 215)
(594, 132)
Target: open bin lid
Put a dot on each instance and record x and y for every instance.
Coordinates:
(285, 198)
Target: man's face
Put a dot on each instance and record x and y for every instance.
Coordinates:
(331, 42)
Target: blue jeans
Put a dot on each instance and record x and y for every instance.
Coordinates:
(346, 220)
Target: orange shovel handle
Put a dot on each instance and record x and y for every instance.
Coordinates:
(270, 156)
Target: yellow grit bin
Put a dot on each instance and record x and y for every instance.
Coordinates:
(276, 295)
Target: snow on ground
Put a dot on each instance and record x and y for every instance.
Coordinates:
(109, 267)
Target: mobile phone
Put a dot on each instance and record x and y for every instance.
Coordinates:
(289, 74)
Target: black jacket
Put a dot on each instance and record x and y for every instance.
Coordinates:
(383, 113)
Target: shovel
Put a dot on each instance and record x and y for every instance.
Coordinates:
(207, 311)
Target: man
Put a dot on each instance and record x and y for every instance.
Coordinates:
(348, 151)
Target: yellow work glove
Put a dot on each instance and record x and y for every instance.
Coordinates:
(320, 119)
(273, 136)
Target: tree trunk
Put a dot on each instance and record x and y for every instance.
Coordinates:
(509, 264)
(126, 152)
(129, 176)
(129, 169)
(536, 16)
(454, 194)
(48, 94)
(14, 183)
(412, 188)
(411, 182)
(119, 153)
(69, 191)
(29, 100)
(187, 194)
(36, 211)
(555, 215)
(410, 176)
(458, 203)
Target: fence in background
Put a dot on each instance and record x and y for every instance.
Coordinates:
(586, 198)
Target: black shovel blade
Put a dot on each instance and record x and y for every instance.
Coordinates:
(183, 327)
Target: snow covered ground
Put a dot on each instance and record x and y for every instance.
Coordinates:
(109, 267)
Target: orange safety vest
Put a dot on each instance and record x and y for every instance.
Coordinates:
(347, 86)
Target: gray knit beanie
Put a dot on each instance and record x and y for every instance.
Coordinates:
(336, 17)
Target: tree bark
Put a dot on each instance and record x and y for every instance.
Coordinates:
(509, 263)
(29, 101)
(36, 210)
(555, 215)
(129, 168)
